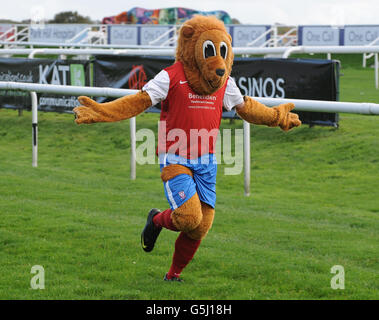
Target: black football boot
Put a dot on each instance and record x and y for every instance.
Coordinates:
(150, 233)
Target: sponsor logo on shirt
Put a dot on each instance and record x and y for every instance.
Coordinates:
(197, 96)
(202, 102)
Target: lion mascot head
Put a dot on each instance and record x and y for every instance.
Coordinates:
(205, 50)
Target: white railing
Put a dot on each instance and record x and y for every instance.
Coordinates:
(24, 34)
(367, 56)
(11, 31)
(18, 33)
(99, 37)
(156, 51)
(62, 45)
(287, 39)
(262, 36)
(169, 41)
(275, 39)
(300, 105)
(91, 35)
(285, 52)
(27, 40)
(33, 88)
(78, 38)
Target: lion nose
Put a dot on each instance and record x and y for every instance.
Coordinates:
(220, 72)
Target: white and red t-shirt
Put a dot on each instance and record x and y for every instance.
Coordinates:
(189, 122)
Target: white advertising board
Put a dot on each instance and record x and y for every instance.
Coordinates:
(122, 34)
(150, 33)
(54, 33)
(360, 35)
(242, 35)
(319, 35)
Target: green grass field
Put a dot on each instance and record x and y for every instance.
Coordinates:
(314, 204)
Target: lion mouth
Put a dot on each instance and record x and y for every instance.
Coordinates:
(212, 84)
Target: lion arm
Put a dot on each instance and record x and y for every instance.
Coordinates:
(120, 109)
(255, 112)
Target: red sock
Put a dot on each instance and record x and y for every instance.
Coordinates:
(163, 219)
(185, 249)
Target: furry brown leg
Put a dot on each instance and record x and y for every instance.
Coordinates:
(189, 215)
(206, 223)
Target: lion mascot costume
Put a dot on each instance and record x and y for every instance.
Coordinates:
(192, 93)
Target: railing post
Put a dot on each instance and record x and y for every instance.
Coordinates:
(33, 96)
(246, 156)
(275, 36)
(376, 71)
(133, 148)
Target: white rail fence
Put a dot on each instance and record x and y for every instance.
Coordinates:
(26, 34)
(367, 56)
(286, 39)
(151, 50)
(13, 35)
(90, 36)
(284, 52)
(171, 41)
(65, 45)
(300, 105)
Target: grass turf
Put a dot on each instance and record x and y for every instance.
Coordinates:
(314, 204)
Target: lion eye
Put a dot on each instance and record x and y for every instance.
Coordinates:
(223, 49)
(209, 49)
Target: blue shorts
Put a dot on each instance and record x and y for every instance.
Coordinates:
(182, 187)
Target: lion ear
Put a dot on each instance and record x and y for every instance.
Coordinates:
(230, 37)
(187, 31)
